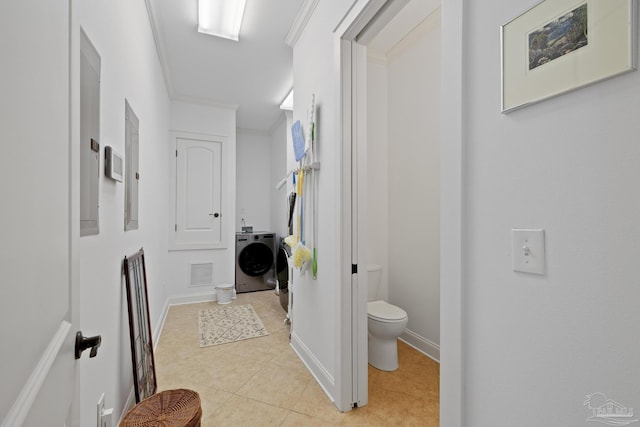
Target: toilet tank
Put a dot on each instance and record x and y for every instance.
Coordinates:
(374, 277)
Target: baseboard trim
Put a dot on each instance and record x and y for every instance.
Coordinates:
(324, 379)
(192, 298)
(423, 345)
(179, 300)
(160, 325)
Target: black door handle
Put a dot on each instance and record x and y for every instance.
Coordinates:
(83, 343)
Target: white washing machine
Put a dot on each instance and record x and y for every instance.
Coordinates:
(255, 261)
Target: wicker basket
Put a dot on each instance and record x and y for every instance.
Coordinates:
(175, 408)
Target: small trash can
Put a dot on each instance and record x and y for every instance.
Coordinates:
(224, 293)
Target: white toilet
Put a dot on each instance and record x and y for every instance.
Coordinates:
(385, 323)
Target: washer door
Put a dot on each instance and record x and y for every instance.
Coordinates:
(282, 268)
(282, 272)
(255, 259)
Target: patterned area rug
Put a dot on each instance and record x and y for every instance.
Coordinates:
(229, 324)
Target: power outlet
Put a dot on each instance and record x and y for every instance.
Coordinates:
(100, 410)
(104, 415)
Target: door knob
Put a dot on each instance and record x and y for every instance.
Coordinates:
(215, 215)
(83, 343)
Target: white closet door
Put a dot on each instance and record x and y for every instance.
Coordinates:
(198, 193)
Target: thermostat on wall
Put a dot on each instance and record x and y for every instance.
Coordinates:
(113, 164)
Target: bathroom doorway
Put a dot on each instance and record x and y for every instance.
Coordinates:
(395, 171)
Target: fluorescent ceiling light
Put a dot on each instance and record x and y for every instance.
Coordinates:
(287, 104)
(220, 18)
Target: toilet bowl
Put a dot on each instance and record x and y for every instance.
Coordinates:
(385, 324)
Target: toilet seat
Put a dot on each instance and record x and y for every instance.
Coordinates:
(385, 312)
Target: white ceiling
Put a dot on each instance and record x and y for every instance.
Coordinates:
(253, 74)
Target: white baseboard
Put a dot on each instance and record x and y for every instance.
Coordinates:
(179, 300)
(322, 376)
(423, 345)
(160, 326)
(192, 298)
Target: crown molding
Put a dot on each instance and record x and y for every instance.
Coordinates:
(302, 18)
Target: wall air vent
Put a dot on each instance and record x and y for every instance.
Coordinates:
(201, 274)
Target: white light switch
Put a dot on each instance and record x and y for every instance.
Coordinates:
(528, 250)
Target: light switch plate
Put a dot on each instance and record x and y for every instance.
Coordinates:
(528, 250)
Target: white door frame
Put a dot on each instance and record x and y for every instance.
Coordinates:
(353, 346)
(353, 384)
(371, 15)
(452, 237)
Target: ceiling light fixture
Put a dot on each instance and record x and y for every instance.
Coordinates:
(287, 104)
(221, 18)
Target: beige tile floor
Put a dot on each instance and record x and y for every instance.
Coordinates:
(262, 382)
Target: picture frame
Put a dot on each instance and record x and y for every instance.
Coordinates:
(558, 46)
(142, 359)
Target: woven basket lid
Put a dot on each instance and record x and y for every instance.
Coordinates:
(178, 407)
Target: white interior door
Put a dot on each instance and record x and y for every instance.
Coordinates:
(361, 24)
(198, 180)
(354, 355)
(360, 221)
(36, 309)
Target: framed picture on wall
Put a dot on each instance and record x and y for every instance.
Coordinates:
(561, 45)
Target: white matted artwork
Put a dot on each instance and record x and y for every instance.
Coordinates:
(561, 45)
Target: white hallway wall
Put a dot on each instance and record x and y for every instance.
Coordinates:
(253, 177)
(278, 143)
(131, 70)
(261, 164)
(537, 345)
(378, 167)
(315, 332)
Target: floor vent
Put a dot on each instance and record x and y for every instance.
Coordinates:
(201, 274)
